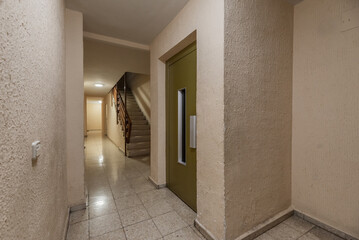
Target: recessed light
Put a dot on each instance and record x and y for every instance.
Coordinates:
(98, 85)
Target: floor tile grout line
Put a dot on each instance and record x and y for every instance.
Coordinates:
(305, 232)
(151, 217)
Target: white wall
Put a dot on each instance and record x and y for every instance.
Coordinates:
(74, 108)
(325, 167)
(33, 194)
(141, 90)
(107, 63)
(207, 18)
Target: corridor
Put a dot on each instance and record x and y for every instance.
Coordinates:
(123, 204)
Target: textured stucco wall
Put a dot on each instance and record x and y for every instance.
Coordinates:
(33, 194)
(141, 89)
(114, 131)
(257, 113)
(207, 17)
(325, 168)
(74, 108)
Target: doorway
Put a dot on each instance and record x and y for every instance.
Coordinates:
(181, 125)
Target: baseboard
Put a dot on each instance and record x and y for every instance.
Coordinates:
(67, 222)
(78, 207)
(158, 186)
(324, 226)
(265, 226)
(207, 234)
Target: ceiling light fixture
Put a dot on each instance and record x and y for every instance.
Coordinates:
(98, 85)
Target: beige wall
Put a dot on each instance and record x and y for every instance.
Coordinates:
(114, 131)
(103, 115)
(107, 63)
(94, 115)
(140, 87)
(33, 194)
(257, 112)
(74, 108)
(207, 17)
(325, 154)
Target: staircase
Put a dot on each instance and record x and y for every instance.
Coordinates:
(139, 144)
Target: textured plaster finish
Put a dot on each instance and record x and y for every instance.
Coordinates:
(325, 168)
(33, 194)
(74, 108)
(107, 63)
(207, 18)
(257, 113)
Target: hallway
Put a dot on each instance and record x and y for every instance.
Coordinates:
(123, 204)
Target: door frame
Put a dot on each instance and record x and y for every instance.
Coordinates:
(185, 51)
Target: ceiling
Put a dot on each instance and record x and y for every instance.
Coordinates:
(138, 21)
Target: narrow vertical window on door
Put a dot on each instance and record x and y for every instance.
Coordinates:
(182, 126)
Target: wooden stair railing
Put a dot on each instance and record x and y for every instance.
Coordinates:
(123, 116)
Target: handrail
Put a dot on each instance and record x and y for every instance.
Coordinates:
(124, 116)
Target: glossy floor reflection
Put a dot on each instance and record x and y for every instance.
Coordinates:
(123, 204)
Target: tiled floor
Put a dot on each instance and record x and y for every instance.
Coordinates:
(124, 205)
(296, 228)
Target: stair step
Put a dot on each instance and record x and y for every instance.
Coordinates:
(135, 139)
(139, 126)
(141, 132)
(138, 152)
(135, 113)
(135, 107)
(138, 145)
(139, 122)
(137, 117)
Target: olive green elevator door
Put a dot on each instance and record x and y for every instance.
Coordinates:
(181, 107)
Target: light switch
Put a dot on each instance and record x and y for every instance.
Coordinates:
(35, 150)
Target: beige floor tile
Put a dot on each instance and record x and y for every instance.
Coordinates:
(102, 207)
(78, 216)
(133, 215)
(299, 224)
(169, 223)
(319, 234)
(122, 192)
(104, 224)
(158, 208)
(115, 235)
(143, 187)
(186, 213)
(197, 232)
(184, 233)
(145, 230)
(128, 202)
(78, 231)
(154, 195)
(264, 236)
(283, 232)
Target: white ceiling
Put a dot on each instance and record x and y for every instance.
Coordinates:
(133, 20)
